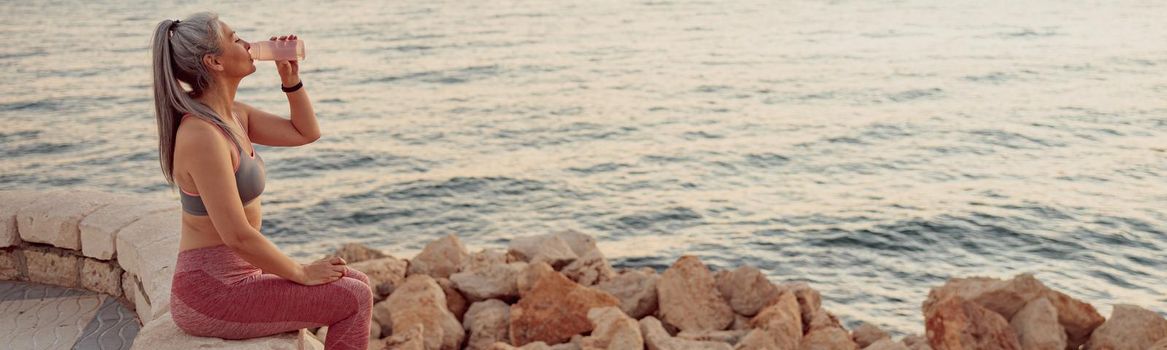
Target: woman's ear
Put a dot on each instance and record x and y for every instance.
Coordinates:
(212, 62)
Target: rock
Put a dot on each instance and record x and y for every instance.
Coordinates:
(828, 339)
(866, 334)
(636, 291)
(385, 273)
(101, 276)
(956, 324)
(412, 338)
(886, 344)
(455, 301)
(809, 303)
(129, 288)
(1077, 317)
(52, 267)
(1129, 327)
(53, 217)
(580, 243)
(1037, 326)
(536, 346)
(10, 202)
(589, 269)
(612, 330)
(148, 248)
(162, 333)
(782, 321)
(729, 337)
(484, 258)
(550, 249)
(534, 272)
(740, 322)
(492, 282)
(916, 342)
(420, 301)
(762, 339)
(656, 338)
(1004, 297)
(353, 253)
(821, 319)
(440, 258)
(689, 298)
(487, 322)
(1160, 345)
(746, 290)
(554, 310)
(98, 230)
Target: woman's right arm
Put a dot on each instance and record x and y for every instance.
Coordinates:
(214, 179)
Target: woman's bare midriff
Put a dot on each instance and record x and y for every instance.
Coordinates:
(199, 231)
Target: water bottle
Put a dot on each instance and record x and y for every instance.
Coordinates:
(278, 50)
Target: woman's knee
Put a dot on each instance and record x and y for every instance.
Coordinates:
(355, 274)
(360, 290)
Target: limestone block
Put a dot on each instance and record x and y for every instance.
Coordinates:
(52, 267)
(129, 289)
(53, 217)
(99, 229)
(10, 202)
(148, 231)
(11, 261)
(164, 334)
(101, 276)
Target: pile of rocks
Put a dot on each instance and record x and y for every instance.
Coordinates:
(557, 291)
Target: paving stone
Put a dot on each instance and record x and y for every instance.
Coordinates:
(113, 328)
(48, 323)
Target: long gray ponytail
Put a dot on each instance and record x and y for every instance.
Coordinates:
(178, 50)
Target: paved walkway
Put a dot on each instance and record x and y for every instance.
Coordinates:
(39, 316)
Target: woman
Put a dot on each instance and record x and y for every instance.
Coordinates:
(230, 281)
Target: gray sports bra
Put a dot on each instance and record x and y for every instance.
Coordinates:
(249, 178)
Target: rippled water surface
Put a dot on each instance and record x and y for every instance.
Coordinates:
(872, 148)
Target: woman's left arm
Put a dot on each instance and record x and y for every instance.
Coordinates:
(268, 129)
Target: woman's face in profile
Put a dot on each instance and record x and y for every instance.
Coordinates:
(235, 58)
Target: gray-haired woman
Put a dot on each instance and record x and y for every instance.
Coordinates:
(230, 281)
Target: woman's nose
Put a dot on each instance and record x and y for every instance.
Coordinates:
(246, 45)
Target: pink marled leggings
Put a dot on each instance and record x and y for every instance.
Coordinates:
(215, 293)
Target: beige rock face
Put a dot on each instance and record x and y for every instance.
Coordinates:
(1129, 327)
(828, 339)
(11, 264)
(353, 253)
(494, 281)
(1004, 297)
(163, 334)
(101, 276)
(551, 249)
(533, 273)
(420, 301)
(886, 344)
(385, 273)
(99, 229)
(866, 334)
(810, 302)
(746, 289)
(636, 290)
(555, 310)
(916, 342)
(689, 298)
(484, 258)
(54, 268)
(1037, 326)
(487, 322)
(440, 258)
(1160, 345)
(822, 319)
(455, 301)
(10, 202)
(1077, 317)
(580, 243)
(613, 330)
(656, 338)
(53, 217)
(132, 242)
(958, 324)
(129, 289)
(589, 269)
(729, 337)
(781, 321)
(408, 339)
